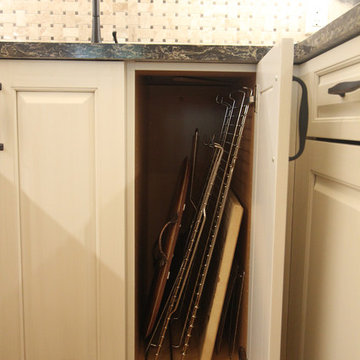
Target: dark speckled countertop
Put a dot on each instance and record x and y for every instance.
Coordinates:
(340, 30)
(135, 52)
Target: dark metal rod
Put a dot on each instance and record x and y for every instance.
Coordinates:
(95, 36)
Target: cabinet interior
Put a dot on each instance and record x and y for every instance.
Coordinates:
(169, 107)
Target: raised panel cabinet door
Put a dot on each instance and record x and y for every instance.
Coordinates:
(325, 320)
(271, 153)
(62, 218)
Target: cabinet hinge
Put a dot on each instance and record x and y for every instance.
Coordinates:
(253, 98)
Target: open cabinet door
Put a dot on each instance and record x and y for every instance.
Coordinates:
(271, 152)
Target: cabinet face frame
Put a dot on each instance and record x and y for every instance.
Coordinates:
(131, 69)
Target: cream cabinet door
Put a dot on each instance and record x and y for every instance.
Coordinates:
(62, 220)
(269, 199)
(324, 316)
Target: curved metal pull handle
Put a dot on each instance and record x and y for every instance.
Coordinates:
(303, 118)
(344, 87)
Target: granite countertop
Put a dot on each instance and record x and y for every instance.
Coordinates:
(340, 30)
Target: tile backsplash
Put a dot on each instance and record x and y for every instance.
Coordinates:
(222, 22)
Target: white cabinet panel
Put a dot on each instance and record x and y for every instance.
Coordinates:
(57, 168)
(332, 323)
(62, 222)
(324, 315)
(271, 152)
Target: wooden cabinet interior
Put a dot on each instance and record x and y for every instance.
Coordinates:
(169, 106)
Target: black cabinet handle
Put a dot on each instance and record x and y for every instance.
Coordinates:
(344, 87)
(303, 118)
(114, 34)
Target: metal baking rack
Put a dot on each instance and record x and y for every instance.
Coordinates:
(182, 303)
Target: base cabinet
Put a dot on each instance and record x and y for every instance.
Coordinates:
(69, 209)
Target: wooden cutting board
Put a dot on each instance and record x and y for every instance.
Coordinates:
(228, 236)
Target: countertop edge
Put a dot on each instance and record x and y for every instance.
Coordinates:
(337, 32)
(133, 52)
(340, 30)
